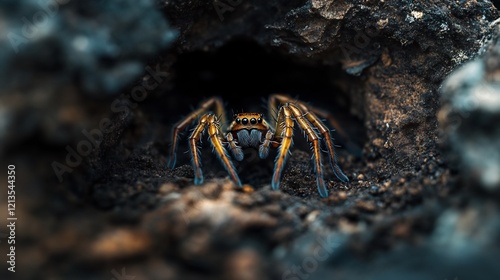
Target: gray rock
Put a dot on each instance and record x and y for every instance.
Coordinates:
(470, 116)
(103, 45)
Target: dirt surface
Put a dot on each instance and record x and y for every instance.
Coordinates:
(94, 196)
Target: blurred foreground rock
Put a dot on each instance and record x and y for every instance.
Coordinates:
(470, 116)
(61, 59)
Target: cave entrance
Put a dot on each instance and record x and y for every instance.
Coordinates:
(244, 74)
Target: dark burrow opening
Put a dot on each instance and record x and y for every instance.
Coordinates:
(244, 74)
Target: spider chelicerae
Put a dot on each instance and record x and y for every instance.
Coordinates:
(251, 130)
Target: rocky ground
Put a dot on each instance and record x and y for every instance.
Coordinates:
(88, 99)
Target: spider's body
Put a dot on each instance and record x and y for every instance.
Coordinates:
(251, 130)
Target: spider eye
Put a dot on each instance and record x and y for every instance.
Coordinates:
(253, 121)
(238, 120)
(244, 121)
(234, 116)
(259, 119)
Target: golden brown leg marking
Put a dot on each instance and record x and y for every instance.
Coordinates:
(211, 123)
(183, 123)
(273, 104)
(193, 147)
(215, 133)
(325, 132)
(310, 113)
(277, 99)
(284, 134)
(314, 139)
(313, 127)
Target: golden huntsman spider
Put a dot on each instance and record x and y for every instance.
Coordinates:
(251, 130)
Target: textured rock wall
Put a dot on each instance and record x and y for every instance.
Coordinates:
(400, 51)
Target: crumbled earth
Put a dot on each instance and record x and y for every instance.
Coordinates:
(412, 208)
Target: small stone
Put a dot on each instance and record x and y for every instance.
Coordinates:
(378, 142)
(399, 192)
(248, 188)
(342, 195)
(120, 243)
(374, 189)
(312, 216)
(245, 264)
(367, 206)
(167, 188)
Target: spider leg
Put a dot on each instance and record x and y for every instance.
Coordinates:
(274, 102)
(353, 147)
(210, 123)
(312, 137)
(277, 98)
(236, 150)
(214, 134)
(264, 147)
(185, 122)
(310, 113)
(325, 115)
(327, 139)
(284, 133)
(194, 138)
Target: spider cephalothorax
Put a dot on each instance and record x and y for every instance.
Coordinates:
(251, 130)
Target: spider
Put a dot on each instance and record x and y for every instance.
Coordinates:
(251, 130)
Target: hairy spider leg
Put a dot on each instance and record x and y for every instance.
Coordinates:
(233, 146)
(277, 98)
(274, 102)
(327, 139)
(214, 133)
(284, 135)
(314, 139)
(194, 138)
(211, 124)
(264, 147)
(186, 121)
(326, 115)
(310, 113)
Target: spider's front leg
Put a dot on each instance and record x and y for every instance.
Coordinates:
(287, 114)
(212, 125)
(284, 135)
(214, 102)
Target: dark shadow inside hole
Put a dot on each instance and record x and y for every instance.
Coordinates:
(244, 74)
